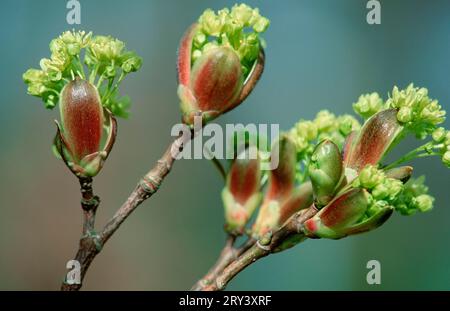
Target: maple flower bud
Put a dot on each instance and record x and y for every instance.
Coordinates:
(220, 60)
(370, 176)
(283, 198)
(368, 104)
(88, 97)
(438, 134)
(404, 114)
(80, 135)
(306, 134)
(242, 193)
(346, 215)
(372, 141)
(389, 189)
(325, 171)
(424, 202)
(216, 79)
(82, 118)
(413, 198)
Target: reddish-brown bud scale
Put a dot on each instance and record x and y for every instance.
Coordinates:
(214, 83)
(242, 192)
(184, 55)
(373, 223)
(344, 216)
(348, 145)
(301, 198)
(282, 179)
(373, 141)
(345, 209)
(82, 118)
(217, 79)
(282, 199)
(244, 179)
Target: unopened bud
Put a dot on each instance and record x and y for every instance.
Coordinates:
(325, 171)
(242, 193)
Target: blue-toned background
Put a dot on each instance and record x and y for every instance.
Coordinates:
(320, 54)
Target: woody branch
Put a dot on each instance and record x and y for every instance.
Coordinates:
(91, 243)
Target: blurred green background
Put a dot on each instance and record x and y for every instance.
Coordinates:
(320, 54)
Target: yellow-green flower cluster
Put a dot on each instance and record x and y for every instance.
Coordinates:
(379, 185)
(405, 198)
(414, 197)
(108, 55)
(382, 189)
(416, 111)
(70, 43)
(229, 28)
(47, 81)
(441, 138)
(105, 57)
(368, 104)
(325, 125)
(40, 83)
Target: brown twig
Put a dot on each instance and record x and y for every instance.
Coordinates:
(261, 249)
(146, 187)
(228, 254)
(89, 204)
(91, 243)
